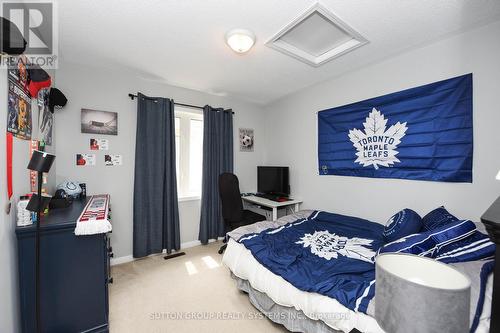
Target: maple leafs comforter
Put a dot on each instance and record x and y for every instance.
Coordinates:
(334, 255)
(326, 253)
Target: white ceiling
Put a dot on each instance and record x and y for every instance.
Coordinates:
(181, 42)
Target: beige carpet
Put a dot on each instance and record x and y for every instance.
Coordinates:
(192, 293)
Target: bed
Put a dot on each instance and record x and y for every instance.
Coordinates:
(271, 273)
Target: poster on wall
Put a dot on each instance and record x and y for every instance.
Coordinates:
(246, 139)
(422, 133)
(33, 174)
(112, 160)
(99, 144)
(45, 117)
(19, 121)
(85, 159)
(99, 122)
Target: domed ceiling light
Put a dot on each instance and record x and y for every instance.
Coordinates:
(240, 40)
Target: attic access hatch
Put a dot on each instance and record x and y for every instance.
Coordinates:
(316, 36)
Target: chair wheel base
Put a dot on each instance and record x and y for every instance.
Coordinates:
(222, 249)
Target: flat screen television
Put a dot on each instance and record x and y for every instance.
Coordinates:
(273, 180)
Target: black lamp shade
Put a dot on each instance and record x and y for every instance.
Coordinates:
(33, 203)
(41, 161)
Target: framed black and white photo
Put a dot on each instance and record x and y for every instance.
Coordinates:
(99, 122)
(246, 139)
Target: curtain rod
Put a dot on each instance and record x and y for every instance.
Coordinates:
(132, 97)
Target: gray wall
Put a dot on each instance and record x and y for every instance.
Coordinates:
(9, 303)
(292, 132)
(87, 87)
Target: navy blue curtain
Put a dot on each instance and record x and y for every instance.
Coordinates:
(156, 211)
(217, 159)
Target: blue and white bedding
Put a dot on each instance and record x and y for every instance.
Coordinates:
(326, 253)
(454, 242)
(333, 255)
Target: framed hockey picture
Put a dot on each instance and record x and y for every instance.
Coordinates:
(99, 122)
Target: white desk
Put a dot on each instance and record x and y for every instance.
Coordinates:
(274, 205)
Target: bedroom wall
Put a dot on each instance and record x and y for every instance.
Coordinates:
(293, 138)
(87, 87)
(9, 304)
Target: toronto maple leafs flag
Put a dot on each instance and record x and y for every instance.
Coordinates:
(422, 133)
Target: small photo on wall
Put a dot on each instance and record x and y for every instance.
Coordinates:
(99, 144)
(246, 139)
(85, 159)
(99, 122)
(112, 160)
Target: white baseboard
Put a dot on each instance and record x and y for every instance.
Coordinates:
(121, 260)
(185, 245)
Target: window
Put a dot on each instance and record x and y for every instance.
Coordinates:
(188, 152)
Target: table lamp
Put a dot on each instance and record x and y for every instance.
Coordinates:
(416, 294)
(491, 221)
(40, 162)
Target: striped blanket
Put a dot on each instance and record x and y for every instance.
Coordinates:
(94, 217)
(455, 242)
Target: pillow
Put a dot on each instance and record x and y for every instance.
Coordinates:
(437, 218)
(403, 223)
(475, 247)
(429, 243)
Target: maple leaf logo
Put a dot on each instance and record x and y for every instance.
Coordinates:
(330, 245)
(375, 145)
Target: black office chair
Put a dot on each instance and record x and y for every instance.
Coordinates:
(232, 208)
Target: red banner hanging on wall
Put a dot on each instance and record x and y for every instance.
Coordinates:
(9, 145)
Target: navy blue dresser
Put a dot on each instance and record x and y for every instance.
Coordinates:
(74, 275)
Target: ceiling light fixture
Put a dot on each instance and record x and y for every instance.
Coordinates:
(240, 40)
